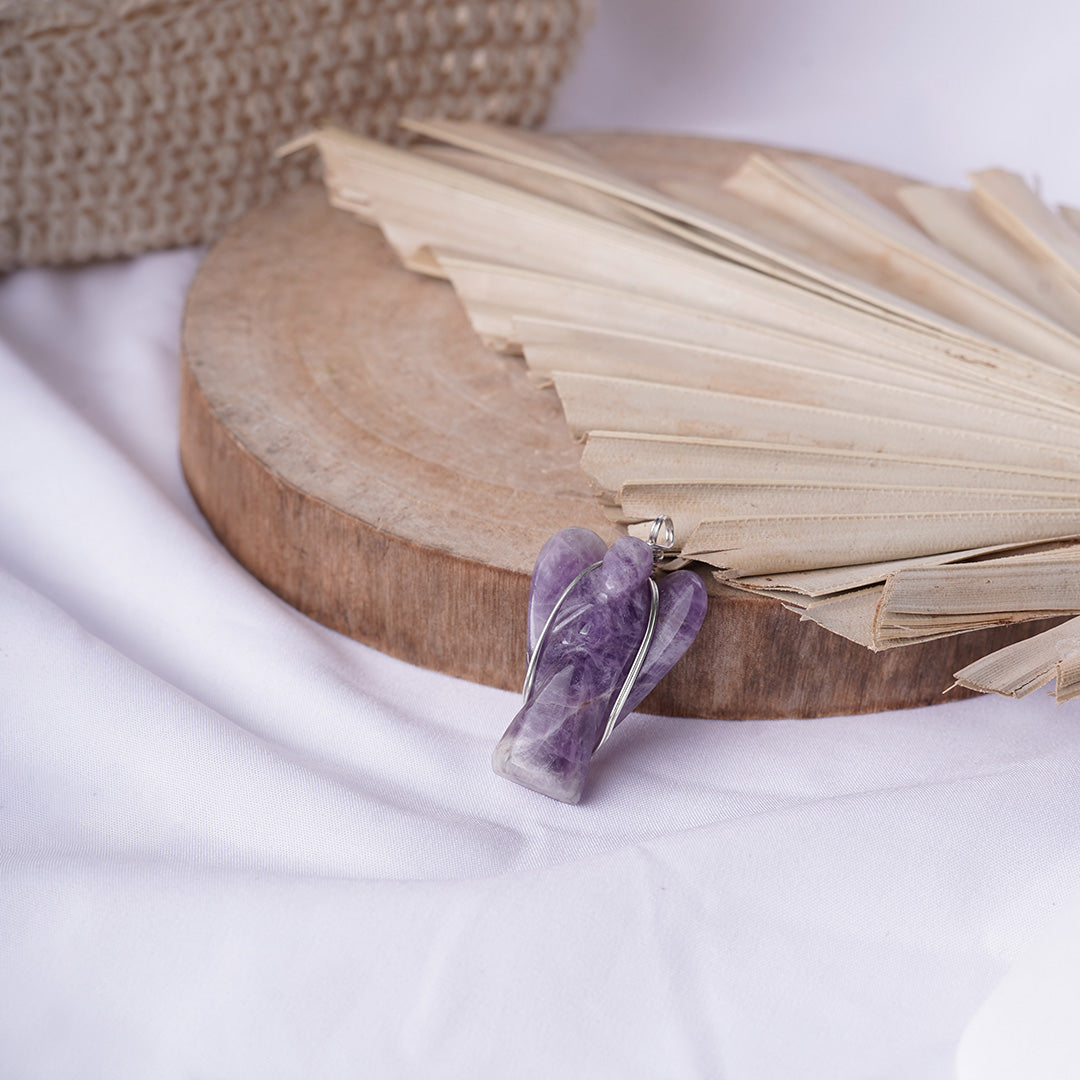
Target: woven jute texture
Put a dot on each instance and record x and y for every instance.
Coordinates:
(138, 125)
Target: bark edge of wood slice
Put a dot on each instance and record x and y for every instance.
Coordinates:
(357, 449)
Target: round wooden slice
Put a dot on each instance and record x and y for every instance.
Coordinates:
(358, 450)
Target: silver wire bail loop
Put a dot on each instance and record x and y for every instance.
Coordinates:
(661, 526)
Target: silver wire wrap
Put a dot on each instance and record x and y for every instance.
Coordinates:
(530, 671)
(658, 545)
(635, 667)
(643, 648)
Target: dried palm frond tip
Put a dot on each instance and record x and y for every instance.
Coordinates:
(873, 418)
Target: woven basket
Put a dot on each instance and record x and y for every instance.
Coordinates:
(127, 125)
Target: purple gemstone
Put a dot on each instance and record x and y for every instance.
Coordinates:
(561, 559)
(588, 652)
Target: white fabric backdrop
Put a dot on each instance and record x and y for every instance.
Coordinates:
(236, 844)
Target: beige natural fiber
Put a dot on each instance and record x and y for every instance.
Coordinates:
(127, 125)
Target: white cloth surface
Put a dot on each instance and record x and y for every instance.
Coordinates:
(236, 844)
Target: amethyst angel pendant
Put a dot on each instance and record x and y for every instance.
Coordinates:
(602, 633)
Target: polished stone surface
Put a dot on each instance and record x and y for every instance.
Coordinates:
(590, 647)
